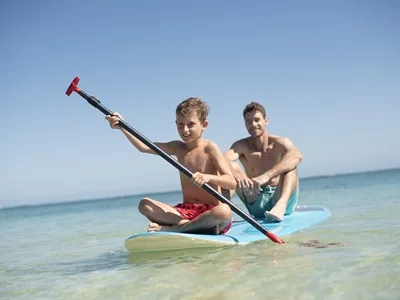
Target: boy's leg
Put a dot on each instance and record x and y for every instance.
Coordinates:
(219, 215)
(159, 212)
(287, 187)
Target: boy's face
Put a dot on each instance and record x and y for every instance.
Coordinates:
(189, 127)
(255, 123)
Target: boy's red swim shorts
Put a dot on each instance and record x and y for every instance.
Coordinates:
(190, 211)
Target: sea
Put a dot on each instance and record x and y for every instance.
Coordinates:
(76, 250)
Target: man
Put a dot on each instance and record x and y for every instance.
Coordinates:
(270, 185)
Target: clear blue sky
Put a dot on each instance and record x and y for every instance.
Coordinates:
(328, 73)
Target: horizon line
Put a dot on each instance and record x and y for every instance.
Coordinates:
(174, 191)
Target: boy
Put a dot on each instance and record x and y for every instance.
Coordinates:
(200, 212)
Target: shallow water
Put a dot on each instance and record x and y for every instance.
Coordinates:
(76, 251)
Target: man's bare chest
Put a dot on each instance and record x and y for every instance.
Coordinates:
(264, 160)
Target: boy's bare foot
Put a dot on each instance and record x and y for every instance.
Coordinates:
(153, 227)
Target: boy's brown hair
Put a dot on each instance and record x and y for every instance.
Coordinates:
(254, 106)
(193, 105)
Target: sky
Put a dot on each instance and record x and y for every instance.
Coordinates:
(327, 72)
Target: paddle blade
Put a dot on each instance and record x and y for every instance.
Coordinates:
(274, 238)
(73, 87)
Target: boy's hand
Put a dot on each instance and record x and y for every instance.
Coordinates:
(199, 179)
(114, 120)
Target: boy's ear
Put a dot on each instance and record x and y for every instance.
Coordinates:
(205, 124)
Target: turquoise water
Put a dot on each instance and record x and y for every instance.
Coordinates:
(76, 251)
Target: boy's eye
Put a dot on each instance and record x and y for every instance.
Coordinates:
(188, 125)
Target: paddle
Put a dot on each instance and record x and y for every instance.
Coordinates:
(96, 103)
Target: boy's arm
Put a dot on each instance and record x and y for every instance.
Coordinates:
(225, 178)
(291, 158)
(169, 148)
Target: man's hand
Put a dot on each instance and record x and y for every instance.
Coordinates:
(244, 183)
(245, 187)
(248, 188)
(260, 181)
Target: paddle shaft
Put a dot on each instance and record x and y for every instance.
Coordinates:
(97, 104)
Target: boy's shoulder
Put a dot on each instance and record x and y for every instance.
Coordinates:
(208, 144)
(177, 144)
(211, 147)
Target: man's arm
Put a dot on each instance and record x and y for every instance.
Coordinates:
(225, 178)
(291, 158)
(231, 156)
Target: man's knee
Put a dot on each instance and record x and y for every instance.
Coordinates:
(291, 178)
(248, 197)
(291, 174)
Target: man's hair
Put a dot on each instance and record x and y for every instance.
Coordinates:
(254, 106)
(193, 105)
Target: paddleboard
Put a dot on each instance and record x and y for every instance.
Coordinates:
(241, 232)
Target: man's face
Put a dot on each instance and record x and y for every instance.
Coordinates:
(255, 123)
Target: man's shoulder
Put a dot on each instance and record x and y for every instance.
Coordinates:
(279, 139)
(244, 142)
(282, 141)
(241, 146)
